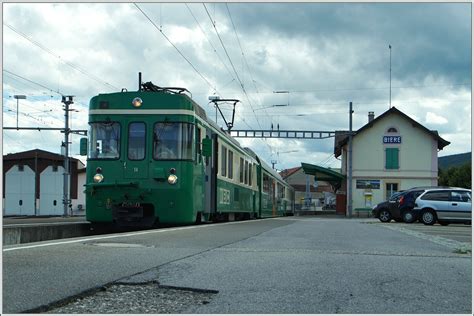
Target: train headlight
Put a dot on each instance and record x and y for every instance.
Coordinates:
(98, 178)
(172, 179)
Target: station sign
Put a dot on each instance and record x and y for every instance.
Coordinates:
(392, 139)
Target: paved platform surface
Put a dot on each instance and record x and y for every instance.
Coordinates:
(284, 265)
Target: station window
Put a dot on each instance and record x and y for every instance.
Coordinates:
(136, 141)
(392, 130)
(223, 161)
(230, 170)
(392, 158)
(21, 168)
(55, 168)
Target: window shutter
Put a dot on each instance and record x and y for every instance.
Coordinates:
(391, 158)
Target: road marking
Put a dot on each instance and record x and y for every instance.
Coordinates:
(156, 231)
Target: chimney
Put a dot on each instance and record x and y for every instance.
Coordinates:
(371, 116)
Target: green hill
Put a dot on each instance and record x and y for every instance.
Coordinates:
(453, 160)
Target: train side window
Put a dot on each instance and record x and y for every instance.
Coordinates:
(198, 145)
(136, 141)
(246, 172)
(266, 183)
(223, 161)
(250, 174)
(241, 170)
(230, 172)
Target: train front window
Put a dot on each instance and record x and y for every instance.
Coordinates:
(173, 141)
(136, 141)
(104, 140)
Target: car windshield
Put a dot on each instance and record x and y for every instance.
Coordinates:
(173, 141)
(104, 140)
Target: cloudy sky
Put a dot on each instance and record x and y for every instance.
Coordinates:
(324, 55)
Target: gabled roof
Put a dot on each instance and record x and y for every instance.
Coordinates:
(38, 153)
(288, 172)
(342, 137)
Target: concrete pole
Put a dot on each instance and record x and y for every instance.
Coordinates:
(349, 185)
(67, 100)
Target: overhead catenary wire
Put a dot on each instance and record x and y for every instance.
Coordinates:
(241, 50)
(236, 73)
(213, 48)
(33, 82)
(230, 60)
(70, 64)
(176, 48)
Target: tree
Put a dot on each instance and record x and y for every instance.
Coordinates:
(456, 176)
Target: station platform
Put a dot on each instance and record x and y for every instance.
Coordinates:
(19, 230)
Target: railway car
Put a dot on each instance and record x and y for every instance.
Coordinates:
(154, 157)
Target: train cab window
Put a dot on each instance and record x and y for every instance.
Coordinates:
(104, 140)
(173, 141)
(136, 141)
(230, 170)
(223, 161)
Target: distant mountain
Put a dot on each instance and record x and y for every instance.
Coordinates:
(453, 160)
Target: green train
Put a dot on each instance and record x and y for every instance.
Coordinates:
(154, 157)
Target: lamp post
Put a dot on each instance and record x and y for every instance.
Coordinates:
(18, 97)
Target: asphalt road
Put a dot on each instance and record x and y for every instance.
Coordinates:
(284, 265)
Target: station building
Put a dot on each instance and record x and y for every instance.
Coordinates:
(33, 184)
(390, 153)
(308, 192)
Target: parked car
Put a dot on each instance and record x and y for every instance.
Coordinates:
(382, 210)
(452, 205)
(400, 205)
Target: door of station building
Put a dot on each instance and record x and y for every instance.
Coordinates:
(390, 188)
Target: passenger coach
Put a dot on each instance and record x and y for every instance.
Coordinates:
(155, 157)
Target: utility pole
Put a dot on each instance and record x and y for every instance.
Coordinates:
(390, 97)
(67, 100)
(349, 185)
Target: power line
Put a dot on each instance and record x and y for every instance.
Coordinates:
(31, 81)
(243, 55)
(70, 64)
(187, 60)
(235, 71)
(214, 49)
(231, 63)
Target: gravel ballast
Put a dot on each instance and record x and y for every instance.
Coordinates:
(148, 298)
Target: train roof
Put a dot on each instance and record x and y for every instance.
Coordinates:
(264, 165)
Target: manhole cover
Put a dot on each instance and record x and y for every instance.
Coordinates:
(117, 245)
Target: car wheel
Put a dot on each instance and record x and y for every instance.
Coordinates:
(443, 223)
(408, 217)
(428, 217)
(385, 216)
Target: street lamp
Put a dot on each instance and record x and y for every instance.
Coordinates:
(18, 97)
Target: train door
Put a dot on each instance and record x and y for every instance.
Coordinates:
(211, 176)
(135, 165)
